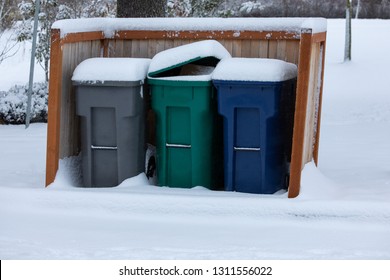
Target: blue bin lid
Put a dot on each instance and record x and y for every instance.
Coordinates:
(207, 52)
(254, 70)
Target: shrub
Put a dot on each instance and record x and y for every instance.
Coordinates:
(13, 104)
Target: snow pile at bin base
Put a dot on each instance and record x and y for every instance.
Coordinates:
(111, 69)
(254, 69)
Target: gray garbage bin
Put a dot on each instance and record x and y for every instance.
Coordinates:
(109, 101)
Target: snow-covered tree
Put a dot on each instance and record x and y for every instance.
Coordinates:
(251, 8)
(92, 8)
(49, 12)
(179, 8)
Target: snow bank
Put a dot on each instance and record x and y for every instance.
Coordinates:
(110, 25)
(176, 57)
(111, 69)
(254, 69)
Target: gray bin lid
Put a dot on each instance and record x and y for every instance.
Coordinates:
(254, 70)
(206, 53)
(111, 71)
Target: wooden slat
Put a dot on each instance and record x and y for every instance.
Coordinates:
(116, 48)
(264, 46)
(135, 45)
(228, 44)
(54, 104)
(311, 114)
(168, 44)
(300, 115)
(255, 48)
(69, 51)
(245, 48)
(127, 46)
(236, 48)
(272, 49)
(143, 49)
(321, 85)
(160, 45)
(292, 51)
(281, 50)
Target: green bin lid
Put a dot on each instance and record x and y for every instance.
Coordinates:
(207, 53)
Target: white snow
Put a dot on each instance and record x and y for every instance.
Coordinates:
(254, 69)
(110, 25)
(15, 70)
(111, 69)
(175, 57)
(343, 211)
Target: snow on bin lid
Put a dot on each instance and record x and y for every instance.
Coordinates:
(186, 54)
(111, 69)
(254, 69)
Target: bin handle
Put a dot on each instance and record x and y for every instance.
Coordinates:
(180, 146)
(103, 147)
(246, 149)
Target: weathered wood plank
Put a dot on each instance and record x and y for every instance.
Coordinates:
(319, 109)
(292, 51)
(272, 49)
(245, 48)
(281, 50)
(236, 48)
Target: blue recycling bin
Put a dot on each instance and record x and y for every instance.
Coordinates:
(258, 109)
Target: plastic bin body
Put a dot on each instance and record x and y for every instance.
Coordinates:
(112, 132)
(258, 118)
(186, 128)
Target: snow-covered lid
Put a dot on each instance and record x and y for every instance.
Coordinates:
(111, 69)
(254, 69)
(109, 25)
(185, 55)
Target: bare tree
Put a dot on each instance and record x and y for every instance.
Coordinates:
(348, 31)
(357, 9)
(141, 8)
(10, 47)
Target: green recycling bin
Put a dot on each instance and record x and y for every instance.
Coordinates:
(188, 128)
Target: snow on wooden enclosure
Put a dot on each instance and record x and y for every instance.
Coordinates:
(110, 25)
(298, 41)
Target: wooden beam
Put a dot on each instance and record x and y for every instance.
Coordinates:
(82, 36)
(319, 37)
(300, 114)
(201, 35)
(54, 104)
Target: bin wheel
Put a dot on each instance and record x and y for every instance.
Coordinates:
(287, 181)
(151, 167)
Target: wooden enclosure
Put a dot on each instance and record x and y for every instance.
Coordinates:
(295, 41)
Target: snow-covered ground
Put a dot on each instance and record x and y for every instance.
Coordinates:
(343, 211)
